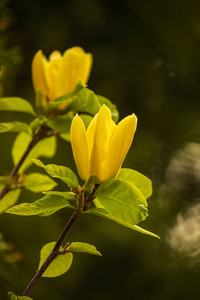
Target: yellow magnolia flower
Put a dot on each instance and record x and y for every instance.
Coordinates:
(101, 149)
(60, 74)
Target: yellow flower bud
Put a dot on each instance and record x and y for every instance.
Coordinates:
(60, 74)
(101, 149)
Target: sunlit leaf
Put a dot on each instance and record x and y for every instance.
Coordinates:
(61, 172)
(65, 136)
(43, 207)
(45, 147)
(122, 200)
(11, 296)
(61, 263)
(9, 199)
(16, 104)
(89, 185)
(14, 127)
(60, 123)
(139, 180)
(86, 119)
(83, 247)
(37, 182)
(67, 195)
(102, 212)
(66, 98)
(85, 101)
(109, 104)
(36, 123)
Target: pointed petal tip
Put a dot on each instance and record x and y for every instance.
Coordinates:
(76, 120)
(104, 109)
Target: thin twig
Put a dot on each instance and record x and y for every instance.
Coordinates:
(54, 253)
(41, 134)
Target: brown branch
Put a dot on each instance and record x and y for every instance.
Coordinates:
(54, 253)
(41, 134)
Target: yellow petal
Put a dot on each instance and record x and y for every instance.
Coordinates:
(79, 147)
(54, 55)
(54, 69)
(99, 133)
(118, 147)
(91, 133)
(40, 72)
(76, 65)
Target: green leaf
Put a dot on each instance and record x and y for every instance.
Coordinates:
(63, 123)
(59, 266)
(60, 123)
(61, 172)
(11, 296)
(15, 127)
(85, 101)
(16, 104)
(36, 123)
(45, 147)
(43, 207)
(37, 183)
(67, 195)
(83, 247)
(122, 200)
(9, 199)
(66, 98)
(86, 119)
(139, 180)
(65, 135)
(102, 212)
(109, 104)
(41, 103)
(89, 185)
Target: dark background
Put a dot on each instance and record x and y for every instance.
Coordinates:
(147, 62)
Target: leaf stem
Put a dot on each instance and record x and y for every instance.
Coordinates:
(41, 134)
(54, 253)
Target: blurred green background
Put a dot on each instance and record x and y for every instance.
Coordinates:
(146, 61)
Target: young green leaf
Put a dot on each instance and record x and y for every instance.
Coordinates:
(84, 248)
(85, 101)
(102, 212)
(139, 180)
(45, 147)
(122, 200)
(15, 127)
(63, 123)
(9, 199)
(16, 104)
(66, 98)
(86, 119)
(61, 172)
(109, 104)
(36, 123)
(11, 296)
(38, 183)
(89, 185)
(60, 264)
(60, 123)
(67, 195)
(43, 207)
